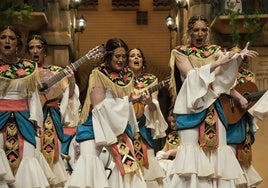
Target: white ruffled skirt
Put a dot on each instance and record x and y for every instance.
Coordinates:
(6, 175)
(193, 168)
(154, 175)
(30, 172)
(88, 170)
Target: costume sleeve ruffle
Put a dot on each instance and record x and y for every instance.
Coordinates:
(70, 107)
(155, 121)
(35, 107)
(110, 118)
(260, 110)
(202, 87)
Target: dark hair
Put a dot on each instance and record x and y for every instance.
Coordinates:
(40, 38)
(17, 33)
(142, 55)
(110, 46)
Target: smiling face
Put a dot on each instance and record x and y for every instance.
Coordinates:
(8, 45)
(36, 51)
(199, 33)
(135, 61)
(118, 60)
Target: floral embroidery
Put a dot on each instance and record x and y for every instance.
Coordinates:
(52, 68)
(144, 81)
(18, 70)
(244, 75)
(173, 138)
(122, 78)
(202, 52)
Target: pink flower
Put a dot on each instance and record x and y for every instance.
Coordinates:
(125, 78)
(26, 63)
(194, 48)
(140, 84)
(183, 48)
(4, 68)
(114, 75)
(20, 72)
(247, 77)
(206, 53)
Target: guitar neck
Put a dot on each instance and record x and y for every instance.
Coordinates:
(153, 89)
(156, 87)
(96, 52)
(53, 80)
(254, 96)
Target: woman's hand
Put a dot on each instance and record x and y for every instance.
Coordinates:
(147, 98)
(246, 52)
(242, 101)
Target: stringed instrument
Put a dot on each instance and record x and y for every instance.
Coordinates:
(139, 105)
(51, 89)
(232, 109)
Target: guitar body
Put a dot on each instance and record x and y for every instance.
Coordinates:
(52, 93)
(231, 108)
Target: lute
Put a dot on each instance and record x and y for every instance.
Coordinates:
(50, 88)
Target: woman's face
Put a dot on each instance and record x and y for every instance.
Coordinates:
(36, 51)
(118, 61)
(199, 34)
(8, 43)
(135, 61)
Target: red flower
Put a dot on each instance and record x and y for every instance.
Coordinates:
(4, 68)
(206, 53)
(26, 63)
(114, 75)
(20, 72)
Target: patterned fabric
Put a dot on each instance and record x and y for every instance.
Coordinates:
(52, 68)
(49, 140)
(144, 81)
(208, 131)
(202, 52)
(124, 155)
(12, 145)
(244, 150)
(140, 150)
(244, 75)
(122, 78)
(18, 70)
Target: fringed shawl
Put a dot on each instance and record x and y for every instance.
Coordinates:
(98, 79)
(26, 85)
(194, 58)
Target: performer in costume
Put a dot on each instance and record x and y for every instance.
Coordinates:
(108, 119)
(241, 134)
(59, 109)
(204, 72)
(152, 124)
(20, 111)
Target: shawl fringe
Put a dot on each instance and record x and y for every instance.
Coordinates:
(98, 79)
(26, 85)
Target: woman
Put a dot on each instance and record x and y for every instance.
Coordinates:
(204, 72)
(152, 124)
(59, 109)
(20, 111)
(108, 120)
